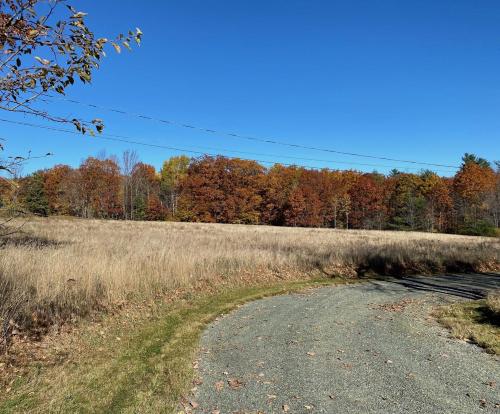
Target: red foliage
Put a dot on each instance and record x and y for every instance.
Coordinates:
(224, 190)
(57, 181)
(155, 210)
(99, 182)
(367, 196)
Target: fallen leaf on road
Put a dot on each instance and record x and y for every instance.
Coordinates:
(388, 361)
(308, 407)
(219, 385)
(235, 383)
(395, 307)
(215, 412)
(193, 404)
(311, 353)
(285, 408)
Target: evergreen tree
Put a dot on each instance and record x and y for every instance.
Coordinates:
(35, 199)
(140, 207)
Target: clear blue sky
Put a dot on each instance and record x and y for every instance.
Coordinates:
(414, 80)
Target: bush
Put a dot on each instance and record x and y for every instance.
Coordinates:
(480, 228)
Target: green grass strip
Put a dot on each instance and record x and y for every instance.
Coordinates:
(147, 372)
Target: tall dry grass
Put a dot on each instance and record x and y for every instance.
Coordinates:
(63, 268)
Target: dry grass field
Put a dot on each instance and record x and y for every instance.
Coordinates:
(65, 268)
(144, 291)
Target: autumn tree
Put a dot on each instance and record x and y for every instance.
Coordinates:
(6, 189)
(304, 205)
(145, 184)
(438, 201)
(57, 184)
(405, 201)
(155, 210)
(473, 185)
(221, 190)
(494, 198)
(225, 190)
(46, 48)
(278, 185)
(98, 184)
(295, 209)
(128, 163)
(173, 171)
(336, 197)
(367, 202)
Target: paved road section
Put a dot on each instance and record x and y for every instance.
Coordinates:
(367, 348)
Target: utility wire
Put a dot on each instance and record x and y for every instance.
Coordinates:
(134, 141)
(246, 137)
(130, 140)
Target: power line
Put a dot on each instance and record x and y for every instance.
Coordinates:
(246, 137)
(260, 154)
(132, 140)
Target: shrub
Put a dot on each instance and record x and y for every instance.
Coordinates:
(480, 228)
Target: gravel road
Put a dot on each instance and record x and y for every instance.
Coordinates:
(366, 348)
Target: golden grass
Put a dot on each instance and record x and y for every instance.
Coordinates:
(493, 305)
(65, 268)
(475, 321)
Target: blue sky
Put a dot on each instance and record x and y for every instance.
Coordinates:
(410, 80)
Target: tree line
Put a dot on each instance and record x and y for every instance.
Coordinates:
(228, 190)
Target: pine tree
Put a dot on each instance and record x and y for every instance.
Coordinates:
(35, 199)
(139, 208)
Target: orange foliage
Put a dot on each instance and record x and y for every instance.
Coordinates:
(225, 190)
(222, 190)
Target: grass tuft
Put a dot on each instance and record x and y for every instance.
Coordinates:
(475, 321)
